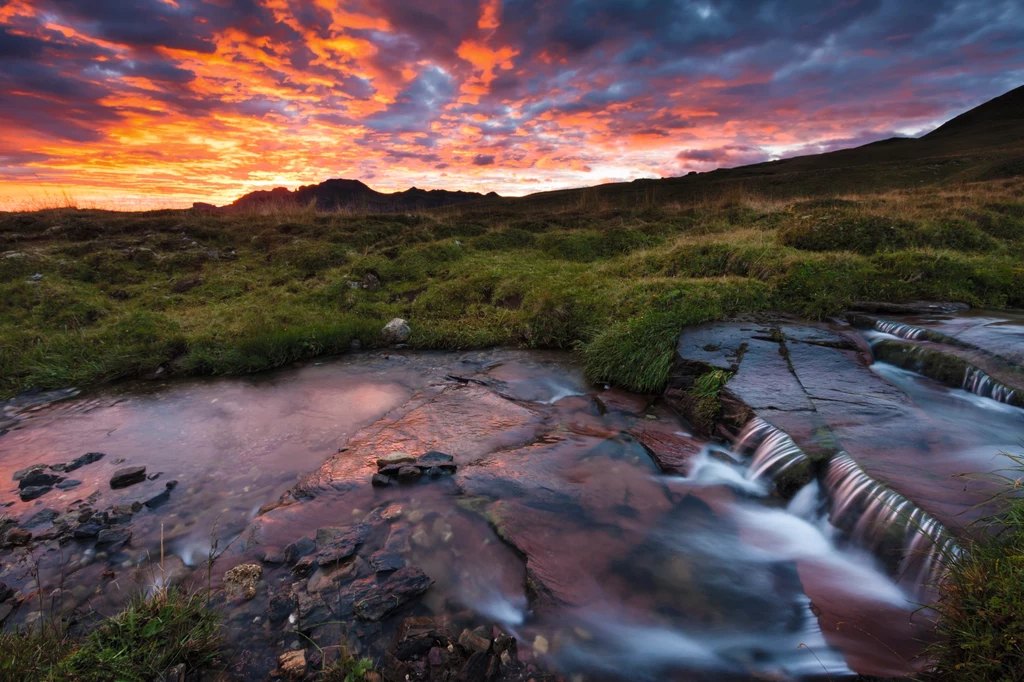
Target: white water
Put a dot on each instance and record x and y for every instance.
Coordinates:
(773, 450)
(868, 511)
(900, 330)
(979, 383)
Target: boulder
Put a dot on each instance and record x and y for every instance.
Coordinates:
(123, 478)
(68, 484)
(380, 481)
(396, 331)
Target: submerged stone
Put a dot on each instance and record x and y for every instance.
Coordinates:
(128, 476)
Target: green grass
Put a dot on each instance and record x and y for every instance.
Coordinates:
(138, 645)
(123, 294)
(981, 607)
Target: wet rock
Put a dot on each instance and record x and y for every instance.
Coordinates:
(409, 474)
(34, 492)
(380, 481)
(68, 484)
(434, 458)
(395, 591)
(38, 479)
(298, 549)
(171, 485)
(304, 566)
(279, 608)
(395, 331)
(617, 400)
(395, 458)
(113, 538)
(158, 499)
(128, 476)
(5, 592)
(17, 537)
(89, 529)
(383, 561)
(41, 518)
(87, 458)
(241, 580)
(416, 636)
(27, 471)
(292, 665)
(473, 641)
(335, 544)
(273, 556)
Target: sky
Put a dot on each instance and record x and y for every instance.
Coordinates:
(158, 103)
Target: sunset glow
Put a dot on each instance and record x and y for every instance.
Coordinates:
(165, 102)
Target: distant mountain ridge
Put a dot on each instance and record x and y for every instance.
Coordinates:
(339, 193)
(984, 143)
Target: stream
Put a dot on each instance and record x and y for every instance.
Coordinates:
(561, 526)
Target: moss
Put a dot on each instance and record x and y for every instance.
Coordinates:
(703, 403)
(943, 367)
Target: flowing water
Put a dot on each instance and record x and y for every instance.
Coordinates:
(559, 526)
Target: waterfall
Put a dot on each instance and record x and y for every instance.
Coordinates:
(979, 383)
(904, 331)
(909, 540)
(773, 451)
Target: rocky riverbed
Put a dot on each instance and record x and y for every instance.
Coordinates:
(492, 515)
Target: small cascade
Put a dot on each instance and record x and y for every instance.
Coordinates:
(908, 540)
(771, 449)
(903, 331)
(979, 383)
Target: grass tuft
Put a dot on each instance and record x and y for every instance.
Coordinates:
(981, 604)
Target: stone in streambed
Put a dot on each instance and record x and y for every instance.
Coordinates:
(383, 561)
(298, 549)
(113, 538)
(434, 458)
(33, 492)
(29, 470)
(408, 474)
(334, 544)
(17, 537)
(158, 500)
(380, 481)
(39, 479)
(79, 462)
(395, 458)
(68, 484)
(395, 591)
(123, 478)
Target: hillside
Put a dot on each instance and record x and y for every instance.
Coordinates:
(985, 143)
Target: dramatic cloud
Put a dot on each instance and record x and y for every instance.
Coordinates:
(163, 102)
